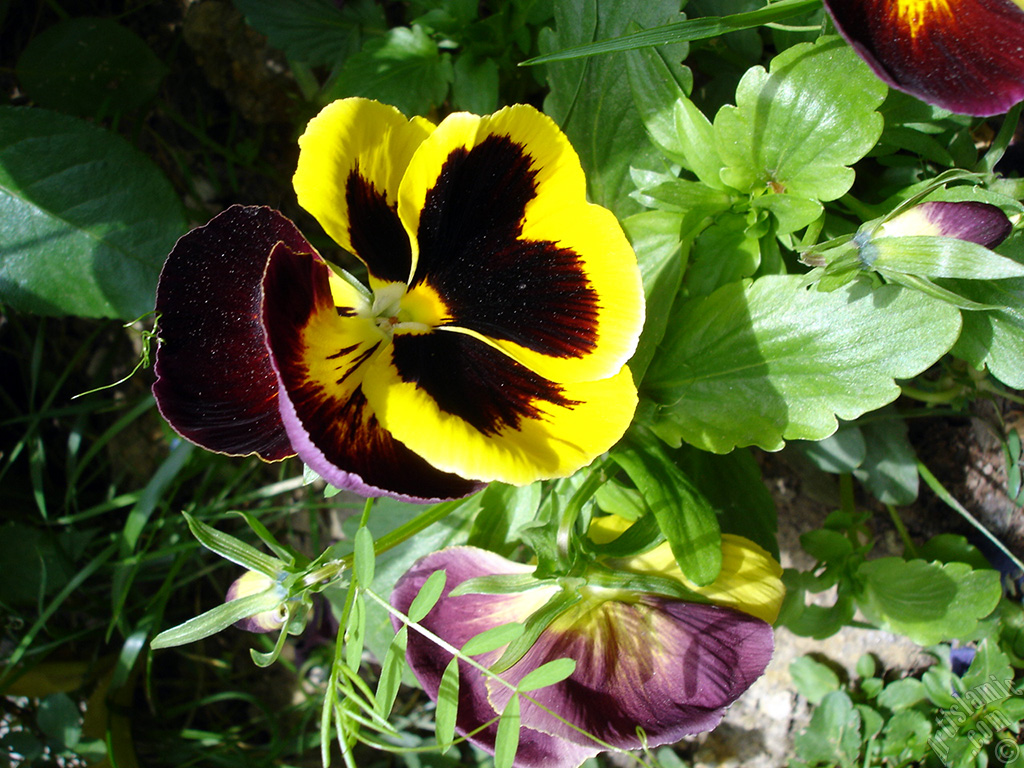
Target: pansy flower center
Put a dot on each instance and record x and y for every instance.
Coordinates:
(419, 310)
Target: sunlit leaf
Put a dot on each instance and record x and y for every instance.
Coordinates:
(764, 362)
(447, 706)
(493, 638)
(391, 669)
(506, 742)
(428, 596)
(683, 514)
(552, 672)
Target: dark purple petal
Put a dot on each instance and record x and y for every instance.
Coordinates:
(666, 666)
(966, 56)
(215, 384)
(980, 223)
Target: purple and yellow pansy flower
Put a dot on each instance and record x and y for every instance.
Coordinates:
(966, 56)
(490, 344)
(650, 668)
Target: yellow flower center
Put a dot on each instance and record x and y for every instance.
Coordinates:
(417, 311)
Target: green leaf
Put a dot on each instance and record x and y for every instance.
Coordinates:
(404, 68)
(534, 626)
(355, 633)
(314, 31)
(692, 29)
(551, 672)
(655, 238)
(235, 550)
(492, 639)
(219, 618)
(89, 67)
(60, 720)
(428, 596)
(901, 694)
(842, 451)
(447, 710)
(813, 680)
(506, 740)
(833, 735)
(656, 88)
(684, 516)
(391, 669)
(938, 257)
(363, 556)
(734, 486)
(906, 736)
(475, 84)
(993, 339)
(592, 101)
(85, 219)
(797, 128)
(927, 602)
(990, 674)
(889, 469)
(764, 362)
(951, 547)
(723, 253)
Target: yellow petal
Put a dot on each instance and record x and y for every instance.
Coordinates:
(750, 579)
(468, 409)
(352, 157)
(502, 232)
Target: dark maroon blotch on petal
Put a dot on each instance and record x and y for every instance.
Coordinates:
(339, 437)
(215, 384)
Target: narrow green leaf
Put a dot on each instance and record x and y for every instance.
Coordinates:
(219, 618)
(447, 711)
(552, 672)
(502, 584)
(683, 514)
(506, 740)
(391, 669)
(235, 550)
(492, 639)
(428, 596)
(267, 537)
(355, 633)
(534, 627)
(363, 557)
(261, 659)
(692, 29)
